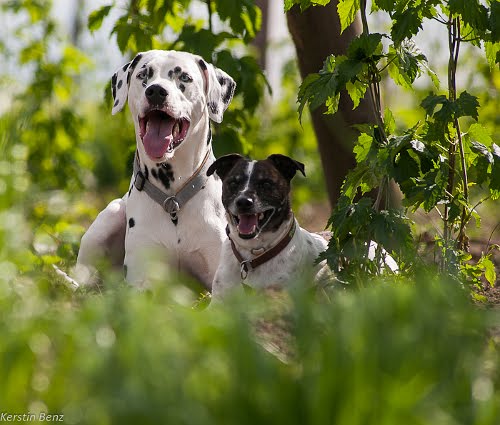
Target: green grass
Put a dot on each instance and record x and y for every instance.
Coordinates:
(406, 353)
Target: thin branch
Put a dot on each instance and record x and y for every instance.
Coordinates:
(440, 20)
(209, 7)
(362, 6)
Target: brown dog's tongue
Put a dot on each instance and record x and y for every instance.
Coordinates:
(158, 135)
(247, 223)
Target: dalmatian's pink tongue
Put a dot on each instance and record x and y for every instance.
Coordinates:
(158, 135)
(247, 224)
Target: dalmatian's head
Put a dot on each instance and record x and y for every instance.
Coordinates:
(168, 93)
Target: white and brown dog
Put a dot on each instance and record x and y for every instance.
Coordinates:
(172, 211)
(266, 247)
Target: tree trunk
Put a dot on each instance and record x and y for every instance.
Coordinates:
(316, 34)
(260, 40)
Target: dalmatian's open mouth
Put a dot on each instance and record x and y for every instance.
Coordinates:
(249, 226)
(161, 133)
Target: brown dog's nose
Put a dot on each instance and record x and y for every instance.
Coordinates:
(244, 202)
(156, 94)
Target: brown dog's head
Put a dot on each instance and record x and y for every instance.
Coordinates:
(256, 194)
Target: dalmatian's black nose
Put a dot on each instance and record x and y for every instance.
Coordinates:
(156, 94)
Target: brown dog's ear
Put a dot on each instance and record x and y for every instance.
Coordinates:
(286, 166)
(224, 164)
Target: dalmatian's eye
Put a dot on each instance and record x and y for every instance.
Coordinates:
(142, 74)
(185, 78)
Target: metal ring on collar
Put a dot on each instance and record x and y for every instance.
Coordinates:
(171, 206)
(245, 267)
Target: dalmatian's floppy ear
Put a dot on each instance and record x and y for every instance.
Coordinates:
(224, 164)
(219, 89)
(286, 165)
(120, 83)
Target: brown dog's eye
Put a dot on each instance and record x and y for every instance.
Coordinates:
(266, 184)
(233, 184)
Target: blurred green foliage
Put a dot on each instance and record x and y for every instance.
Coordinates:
(413, 353)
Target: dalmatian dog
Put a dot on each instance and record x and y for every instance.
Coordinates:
(266, 247)
(172, 211)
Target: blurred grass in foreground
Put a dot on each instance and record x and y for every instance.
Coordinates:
(406, 353)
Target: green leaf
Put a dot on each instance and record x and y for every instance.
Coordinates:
(364, 46)
(389, 121)
(472, 13)
(495, 21)
(387, 5)
(489, 270)
(347, 10)
(96, 17)
(431, 101)
(243, 17)
(406, 62)
(492, 53)
(406, 24)
(467, 106)
(356, 91)
(362, 147)
(304, 4)
(324, 88)
(495, 172)
(480, 134)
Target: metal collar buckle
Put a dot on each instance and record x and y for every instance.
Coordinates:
(245, 267)
(171, 206)
(139, 181)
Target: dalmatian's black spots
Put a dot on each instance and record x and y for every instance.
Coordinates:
(116, 102)
(228, 94)
(154, 173)
(120, 84)
(131, 222)
(202, 64)
(309, 242)
(209, 137)
(125, 66)
(128, 78)
(134, 63)
(179, 240)
(177, 70)
(150, 73)
(213, 108)
(170, 74)
(113, 85)
(146, 172)
(222, 80)
(182, 87)
(165, 175)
